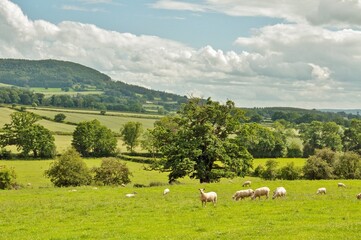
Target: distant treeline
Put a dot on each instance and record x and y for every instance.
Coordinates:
(298, 115)
(14, 95)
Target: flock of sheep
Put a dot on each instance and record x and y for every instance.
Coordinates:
(258, 193)
(241, 194)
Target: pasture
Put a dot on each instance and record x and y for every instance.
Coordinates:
(44, 212)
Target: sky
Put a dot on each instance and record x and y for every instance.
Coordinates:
(257, 53)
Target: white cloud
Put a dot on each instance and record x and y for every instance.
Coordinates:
(340, 13)
(296, 65)
(81, 9)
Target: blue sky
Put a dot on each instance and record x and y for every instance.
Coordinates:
(257, 53)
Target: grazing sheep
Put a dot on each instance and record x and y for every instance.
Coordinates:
(208, 197)
(243, 194)
(263, 191)
(130, 195)
(341, 184)
(166, 191)
(358, 196)
(246, 183)
(279, 192)
(321, 191)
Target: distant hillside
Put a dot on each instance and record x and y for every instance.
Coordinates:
(73, 77)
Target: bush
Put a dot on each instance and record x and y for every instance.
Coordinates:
(5, 154)
(7, 177)
(270, 172)
(294, 150)
(290, 172)
(69, 170)
(59, 117)
(258, 171)
(112, 172)
(348, 166)
(316, 168)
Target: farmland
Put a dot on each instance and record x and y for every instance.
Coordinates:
(41, 211)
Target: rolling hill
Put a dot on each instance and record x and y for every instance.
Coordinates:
(41, 75)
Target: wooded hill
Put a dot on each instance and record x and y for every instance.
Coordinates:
(73, 77)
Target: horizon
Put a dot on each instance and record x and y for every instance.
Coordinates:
(255, 53)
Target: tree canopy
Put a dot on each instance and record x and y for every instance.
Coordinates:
(199, 141)
(27, 136)
(90, 138)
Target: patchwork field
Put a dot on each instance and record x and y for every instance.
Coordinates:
(44, 212)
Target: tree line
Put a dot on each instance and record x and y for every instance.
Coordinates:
(205, 140)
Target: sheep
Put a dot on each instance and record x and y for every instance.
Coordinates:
(207, 197)
(242, 194)
(279, 192)
(166, 191)
(130, 195)
(321, 191)
(263, 191)
(341, 185)
(246, 183)
(358, 196)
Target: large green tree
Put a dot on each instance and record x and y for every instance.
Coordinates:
(352, 137)
(130, 132)
(318, 135)
(90, 138)
(199, 141)
(27, 136)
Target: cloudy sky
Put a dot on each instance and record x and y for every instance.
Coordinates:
(257, 53)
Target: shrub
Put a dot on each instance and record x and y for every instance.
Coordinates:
(270, 172)
(59, 117)
(112, 172)
(258, 171)
(7, 177)
(69, 170)
(290, 172)
(5, 154)
(348, 166)
(316, 168)
(294, 150)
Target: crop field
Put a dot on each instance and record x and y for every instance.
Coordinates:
(113, 122)
(41, 211)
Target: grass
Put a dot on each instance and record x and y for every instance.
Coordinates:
(113, 122)
(299, 162)
(104, 213)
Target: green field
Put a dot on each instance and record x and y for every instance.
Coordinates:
(112, 120)
(41, 211)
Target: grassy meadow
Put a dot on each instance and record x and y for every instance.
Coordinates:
(41, 211)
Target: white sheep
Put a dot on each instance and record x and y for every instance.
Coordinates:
(321, 191)
(246, 183)
(279, 192)
(358, 196)
(130, 195)
(341, 184)
(166, 191)
(243, 194)
(263, 191)
(208, 197)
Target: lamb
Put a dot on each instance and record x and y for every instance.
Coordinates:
(263, 191)
(130, 195)
(321, 191)
(166, 191)
(341, 185)
(207, 197)
(242, 194)
(279, 192)
(246, 183)
(358, 196)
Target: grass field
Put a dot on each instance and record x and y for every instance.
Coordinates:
(45, 212)
(113, 122)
